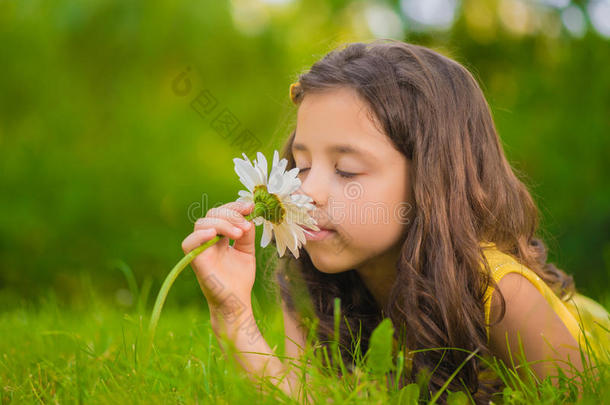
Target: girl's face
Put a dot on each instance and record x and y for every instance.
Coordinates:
(358, 181)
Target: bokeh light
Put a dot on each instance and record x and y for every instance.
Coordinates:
(574, 20)
(599, 13)
(383, 21)
(430, 14)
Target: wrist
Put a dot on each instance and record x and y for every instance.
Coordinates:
(231, 311)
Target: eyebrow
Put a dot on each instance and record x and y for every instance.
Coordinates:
(340, 149)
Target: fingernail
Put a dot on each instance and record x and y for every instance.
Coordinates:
(236, 229)
(246, 225)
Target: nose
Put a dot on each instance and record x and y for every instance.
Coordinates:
(314, 183)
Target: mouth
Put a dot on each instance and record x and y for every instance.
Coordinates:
(323, 233)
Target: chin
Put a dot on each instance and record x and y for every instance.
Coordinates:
(327, 265)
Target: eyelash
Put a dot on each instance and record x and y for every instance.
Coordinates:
(345, 175)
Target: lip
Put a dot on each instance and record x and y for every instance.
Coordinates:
(318, 235)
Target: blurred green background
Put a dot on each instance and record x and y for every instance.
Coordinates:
(110, 147)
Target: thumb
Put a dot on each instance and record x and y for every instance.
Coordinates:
(246, 242)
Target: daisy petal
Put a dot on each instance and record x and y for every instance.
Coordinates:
(290, 232)
(248, 175)
(267, 232)
(244, 199)
(276, 158)
(301, 235)
(280, 240)
(288, 185)
(245, 194)
(295, 253)
(261, 163)
(300, 199)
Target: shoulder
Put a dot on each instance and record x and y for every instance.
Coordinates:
(532, 309)
(528, 317)
(531, 328)
(522, 289)
(518, 292)
(513, 276)
(528, 300)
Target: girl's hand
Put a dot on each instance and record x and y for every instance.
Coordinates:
(225, 273)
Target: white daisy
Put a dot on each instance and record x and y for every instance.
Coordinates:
(280, 212)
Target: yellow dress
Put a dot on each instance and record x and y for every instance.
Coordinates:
(579, 314)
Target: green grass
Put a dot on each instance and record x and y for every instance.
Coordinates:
(96, 352)
(97, 355)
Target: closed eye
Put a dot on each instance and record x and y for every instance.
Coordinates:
(343, 174)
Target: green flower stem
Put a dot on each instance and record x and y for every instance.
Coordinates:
(181, 265)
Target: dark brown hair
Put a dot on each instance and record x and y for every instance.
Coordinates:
(465, 192)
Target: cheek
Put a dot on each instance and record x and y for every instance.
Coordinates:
(375, 223)
(366, 231)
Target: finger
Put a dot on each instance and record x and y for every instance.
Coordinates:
(243, 207)
(197, 238)
(245, 243)
(233, 212)
(230, 215)
(221, 225)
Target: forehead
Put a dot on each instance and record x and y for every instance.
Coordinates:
(338, 121)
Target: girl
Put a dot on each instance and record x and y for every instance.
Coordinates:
(425, 223)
